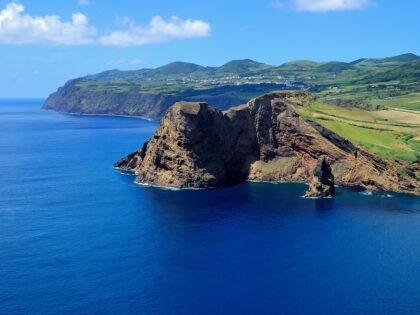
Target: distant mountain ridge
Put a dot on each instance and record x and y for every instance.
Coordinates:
(241, 66)
(149, 92)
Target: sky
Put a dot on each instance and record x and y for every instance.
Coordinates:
(44, 43)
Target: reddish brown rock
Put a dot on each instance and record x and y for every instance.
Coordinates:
(197, 146)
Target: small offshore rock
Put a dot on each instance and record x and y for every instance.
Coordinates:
(322, 184)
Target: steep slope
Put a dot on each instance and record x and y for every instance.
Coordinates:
(85, 97)
(149, 92)
(197, 146)
(408, 72)
(73, 98)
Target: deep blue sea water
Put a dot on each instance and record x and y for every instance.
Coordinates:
(77, 236)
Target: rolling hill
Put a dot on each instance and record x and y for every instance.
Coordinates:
(365, 83)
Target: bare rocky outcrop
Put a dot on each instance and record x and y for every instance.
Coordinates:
(322, 183)
(198, 146)
(131, 161)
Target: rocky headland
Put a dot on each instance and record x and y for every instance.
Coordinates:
(267, 139)
(74, 98)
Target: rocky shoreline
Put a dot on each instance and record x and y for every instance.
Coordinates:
(198, 146)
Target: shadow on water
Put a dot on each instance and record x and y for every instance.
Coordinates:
(324, 205)
(263, 200)
(268, 199)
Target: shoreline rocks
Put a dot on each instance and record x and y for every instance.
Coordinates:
(267, 139)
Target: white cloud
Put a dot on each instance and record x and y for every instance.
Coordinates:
(158, 30)
(84, 3)
(19, 28)
(323, 5)
(330, 5)
(16, 27)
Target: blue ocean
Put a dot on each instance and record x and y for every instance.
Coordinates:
(78, 237)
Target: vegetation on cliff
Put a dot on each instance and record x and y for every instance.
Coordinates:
(271, 138)
(365, 83)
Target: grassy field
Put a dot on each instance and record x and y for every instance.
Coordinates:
(393, 94)
(409, 101)
(390, 133)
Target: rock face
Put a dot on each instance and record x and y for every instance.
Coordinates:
(197, 146)
(72, 98)
(322, 184)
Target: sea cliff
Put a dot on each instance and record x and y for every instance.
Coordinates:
(75, 98)
(266, 139)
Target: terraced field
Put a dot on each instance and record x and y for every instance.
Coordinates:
(409, 101)
(392, 94)
(391, 133)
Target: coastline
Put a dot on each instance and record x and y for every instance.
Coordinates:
(103, 115)
(359, 189)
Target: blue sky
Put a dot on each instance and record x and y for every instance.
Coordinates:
(43, 43)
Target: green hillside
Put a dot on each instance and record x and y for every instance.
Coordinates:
(178, 67)
(242, 66)
(365, 83)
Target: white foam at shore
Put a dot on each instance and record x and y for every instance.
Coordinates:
(106, 115)
(169, 187)
(371, 193)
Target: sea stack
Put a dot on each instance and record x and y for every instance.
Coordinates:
(322, 184)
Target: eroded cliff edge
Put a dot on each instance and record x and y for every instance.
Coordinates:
(197, 146)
